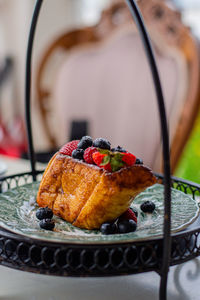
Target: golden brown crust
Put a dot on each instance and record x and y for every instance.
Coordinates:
(88, 196)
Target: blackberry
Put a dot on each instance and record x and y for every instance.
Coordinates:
(147, 206)
(47, 224)
(139, 161)
(78, 154)
(118, 149)
(85, 142)
(44, 213)
(101, 143)
(108, 228)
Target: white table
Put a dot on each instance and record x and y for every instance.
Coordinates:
(183, 281)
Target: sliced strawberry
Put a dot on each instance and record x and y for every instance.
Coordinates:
(69, 147)
(129, 159)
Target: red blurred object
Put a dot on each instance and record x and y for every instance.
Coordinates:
(13, 139)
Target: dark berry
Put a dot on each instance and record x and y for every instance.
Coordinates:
(127, 226)
(47, 224)
(78, 154)
(108, 228)
(148, 206)
(85, 142)
(123, 226)
(44, 213)
(135, 211)
(139, 161)
(132, 226)
(118, 149)
(101, 143)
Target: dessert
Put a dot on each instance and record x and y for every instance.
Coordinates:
(87, 183)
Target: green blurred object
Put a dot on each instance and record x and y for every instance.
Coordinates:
(189, 165)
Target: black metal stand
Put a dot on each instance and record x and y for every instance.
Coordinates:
(163, 123)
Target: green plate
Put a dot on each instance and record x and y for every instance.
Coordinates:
(18, 208)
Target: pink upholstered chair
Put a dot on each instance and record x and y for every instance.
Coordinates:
(105, 79)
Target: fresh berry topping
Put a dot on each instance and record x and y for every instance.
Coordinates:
(85, 142)
(69, 147)
(102, 160)
(108, 228)
(128, 215)
(126, 226)
(118, 149)
(135, 211)
(98, 158)
(139, 161)
(148, 206)
(88, 155)
(78, 154)
(129, 159)
(101, 143)
(47, 224)
(44, 213)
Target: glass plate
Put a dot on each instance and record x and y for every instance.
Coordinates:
(18, 208)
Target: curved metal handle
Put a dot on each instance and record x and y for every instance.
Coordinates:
(163, 123)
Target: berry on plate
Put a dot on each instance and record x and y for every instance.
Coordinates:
(108, 228)
(47, 224)
(148, 207)
(128, 215)
(69, 147)
(44, 213)
(126, 226)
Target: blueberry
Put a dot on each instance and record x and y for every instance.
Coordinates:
(118, 149)
(135, 211)
(148, 206)
(44, 213)
(47, 224)
(78, 153)
(101, 143)
(123, 226)
(132, 226)
(108, 228)
(85, 142)
(139, 161)
(127, 226)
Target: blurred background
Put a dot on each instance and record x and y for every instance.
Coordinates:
(90, 77)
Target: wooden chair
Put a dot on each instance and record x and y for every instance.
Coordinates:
(103, 68)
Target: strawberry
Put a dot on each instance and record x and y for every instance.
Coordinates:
(102, 160)
(128, 215)
(129, 159)
(69, 147)
(88, 155)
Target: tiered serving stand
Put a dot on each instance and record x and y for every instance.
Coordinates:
(79, 259)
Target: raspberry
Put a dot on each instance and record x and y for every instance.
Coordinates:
(99, 158)
(128, 215)
(69, 147)
(129, 159)
(88, 155)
